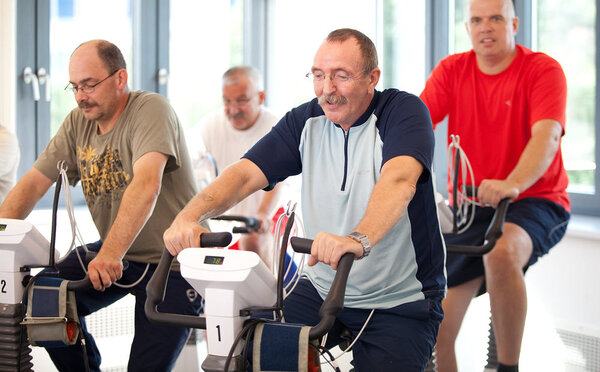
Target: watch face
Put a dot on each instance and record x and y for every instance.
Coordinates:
(362, 239)
(358, 235)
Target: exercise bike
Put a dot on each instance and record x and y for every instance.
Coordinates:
(23, 248)
(450, 219)
(237, 285)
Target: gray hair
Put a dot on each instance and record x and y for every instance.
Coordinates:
(230, 76)
(367, 48)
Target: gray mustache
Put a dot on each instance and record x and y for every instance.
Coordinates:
(239, 115)
(332, 99)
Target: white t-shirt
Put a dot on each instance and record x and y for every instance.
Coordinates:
(227, 145)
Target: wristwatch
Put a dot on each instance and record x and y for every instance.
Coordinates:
(363, 240)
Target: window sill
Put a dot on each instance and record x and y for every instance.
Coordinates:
(586, 227)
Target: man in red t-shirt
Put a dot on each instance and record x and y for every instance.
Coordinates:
(507, 104)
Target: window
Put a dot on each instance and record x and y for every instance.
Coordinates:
(292, 51)
(568, 34)
(403, 59)
(394, 26)
(89, 19)
(205, 40)
(461, 41)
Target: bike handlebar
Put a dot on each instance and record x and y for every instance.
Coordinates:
(334, 302)
(155, 290)
(250, 223)
(85, 283)
(492, 234)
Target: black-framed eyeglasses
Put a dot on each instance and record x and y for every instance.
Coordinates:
(85, 88)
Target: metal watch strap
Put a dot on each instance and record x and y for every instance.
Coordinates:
(363, 240)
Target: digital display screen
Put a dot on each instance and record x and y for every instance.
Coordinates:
(2, 227)
(214, 260)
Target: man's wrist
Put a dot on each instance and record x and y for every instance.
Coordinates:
(363, 240)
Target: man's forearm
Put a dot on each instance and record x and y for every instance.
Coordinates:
(390, 197)
(537, 155)
(135, 209)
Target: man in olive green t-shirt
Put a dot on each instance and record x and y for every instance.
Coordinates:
(128, 151)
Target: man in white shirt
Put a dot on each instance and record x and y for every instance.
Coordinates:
(227, 134)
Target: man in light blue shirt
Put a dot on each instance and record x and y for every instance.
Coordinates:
(365, 157)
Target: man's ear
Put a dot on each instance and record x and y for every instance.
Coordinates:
(261, 97)
(374, 76)
(122, 78)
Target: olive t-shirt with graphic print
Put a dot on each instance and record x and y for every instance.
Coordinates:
(104, 165)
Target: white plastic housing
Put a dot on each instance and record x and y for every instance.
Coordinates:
(21, 244)
(228, 280)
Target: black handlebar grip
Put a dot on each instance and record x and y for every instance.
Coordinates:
(471, 190)
(219, 239)
(80, 285)
(155, 294)
(496, 227)
(493, 233)
(250, 223)
(240, 230)
(334, 302)
(301, 245)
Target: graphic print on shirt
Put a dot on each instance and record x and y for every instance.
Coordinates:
(102, 175)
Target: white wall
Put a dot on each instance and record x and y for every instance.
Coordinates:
(7, 63)
(567, 281)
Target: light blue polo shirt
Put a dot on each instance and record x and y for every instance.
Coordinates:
(339, 171)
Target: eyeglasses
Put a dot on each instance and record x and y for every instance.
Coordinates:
(240, 102)
(85, 88)
(338, 77)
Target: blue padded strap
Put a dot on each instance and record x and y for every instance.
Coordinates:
(46, 297)
(280, 347)
(48, 281)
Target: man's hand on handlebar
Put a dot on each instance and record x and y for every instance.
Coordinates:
(183, 233)
(265, 223)
(491, 192)
(329, 248)
(105, 269)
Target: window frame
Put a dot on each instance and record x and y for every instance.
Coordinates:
(585, 203)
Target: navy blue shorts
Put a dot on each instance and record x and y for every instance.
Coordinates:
(544, 221)
(396, 339)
